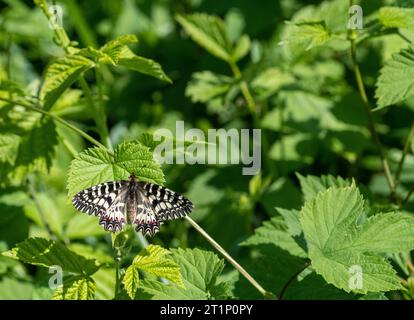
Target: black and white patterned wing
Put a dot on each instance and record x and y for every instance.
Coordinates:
(166, 203)
(146, 220)
(106, 200)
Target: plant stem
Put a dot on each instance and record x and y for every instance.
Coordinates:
(406, 150)
(410, 266)
(404, 37)
(230, 259)
(71, 149)
(60, 33)
(80, 24)
(291, 279)
(407, 197)
(253, 110)
(57, 118)
(64, 42)
(117, 258)
(244, 88)
(100, 119)
(39, 208)
(371, 123)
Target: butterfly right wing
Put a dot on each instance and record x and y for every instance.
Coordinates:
(145, 220)
(106, 200)
(167, 204)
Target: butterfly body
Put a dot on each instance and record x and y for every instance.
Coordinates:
(144, 205)
(132, 199)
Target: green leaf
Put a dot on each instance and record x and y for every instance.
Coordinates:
(312, 185)
(13, 289)
(47, 253)
(60, 75)
(389, 232)
(339, 246)
(395, 17)
(9, 143)
(27, 143)
(116, 52)
(131, 281)
(292, 220)
(89, 252)
(209, 32)
(396, 83)
(36, 149)
(105, 279)
(12, 87)
(199, 270)
(82, 226)
(242, 48)
(153, 259)
(14, 225)
(275, 232)
(143, 65)
(308, 35)
(115, 47)
(270, 81)
(96, 165)
(205, 86)
(314, 287)
(76, 288)
(234, 23)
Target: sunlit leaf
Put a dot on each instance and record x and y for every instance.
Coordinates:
(342, 249)
(60, 75)
(209, 32)
(96, 165)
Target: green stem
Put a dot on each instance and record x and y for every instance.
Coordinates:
(254, 111)
(117, 259)
(60, 33)
(407, 197)
(80, 24)
(371, 123)
(100, 118)
(71, 149)
(39, 208)
(251, 104)
(56, 118)
(99, 81)
(64, 42)
(406, 150)
(404, 37)
(290, 281)
(224, 253)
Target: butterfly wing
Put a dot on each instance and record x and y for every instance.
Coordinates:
(166, 203)
(145, 219)
(106, 200)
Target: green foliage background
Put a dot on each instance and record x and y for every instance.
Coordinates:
(78, 107)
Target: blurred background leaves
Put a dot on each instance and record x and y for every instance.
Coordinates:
(309, 110)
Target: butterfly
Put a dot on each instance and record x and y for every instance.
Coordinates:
(145, 205)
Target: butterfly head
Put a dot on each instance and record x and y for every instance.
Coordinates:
(133, 177)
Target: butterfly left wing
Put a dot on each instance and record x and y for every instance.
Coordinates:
(166, 203)
(106, 200)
